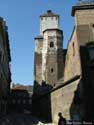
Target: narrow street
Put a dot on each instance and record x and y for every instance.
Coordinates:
(19, 119)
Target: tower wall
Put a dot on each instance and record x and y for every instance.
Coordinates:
(85, 34)
(52, 65)
(83, 17)
(48, 23)
(38, 61)
(72, 58)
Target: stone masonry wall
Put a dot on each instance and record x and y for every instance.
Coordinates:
(48, 23)
(61, 101)
(85, 34)
(83, 17)
(52, 57)
(38, 61)
(65, 95)
(72, 63)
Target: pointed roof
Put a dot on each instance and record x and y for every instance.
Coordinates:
(82, 5)
(49, 14)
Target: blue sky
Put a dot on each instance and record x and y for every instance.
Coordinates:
(22, 18)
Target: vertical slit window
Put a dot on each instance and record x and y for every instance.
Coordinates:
(52, 70)
(73, 49)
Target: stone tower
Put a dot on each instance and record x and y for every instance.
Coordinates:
(48, 50)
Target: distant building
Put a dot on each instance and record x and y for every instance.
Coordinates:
(28, 88)
(20, 98)
(5, 73)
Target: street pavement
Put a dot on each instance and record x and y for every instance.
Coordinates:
(20, 119)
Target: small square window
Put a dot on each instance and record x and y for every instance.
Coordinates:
(56, 18)
(41, 18)
(52, 18)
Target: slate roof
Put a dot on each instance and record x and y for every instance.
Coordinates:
(49, 14)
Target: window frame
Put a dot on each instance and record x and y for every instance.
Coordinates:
(51, 44)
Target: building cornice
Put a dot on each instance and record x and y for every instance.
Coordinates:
(49, 14)
(54, 29)
(81, 7)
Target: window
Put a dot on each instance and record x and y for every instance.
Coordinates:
(30, 101)
(52, 18)
(13, 101)
(52, 70)
(51, 44)
(19, 101)
(56, 18)
(90, 47)
(41, 18)
(54, 84)
(91, 53)
(24, 101)
(73, 49)
(92, 25)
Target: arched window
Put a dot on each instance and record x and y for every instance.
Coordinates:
(51, 44)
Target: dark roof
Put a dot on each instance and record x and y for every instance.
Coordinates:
(17, 87)
(39, 37)
(49, 14)
(53, 29)
(1, 18)
(82, 5)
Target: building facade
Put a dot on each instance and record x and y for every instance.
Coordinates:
(5, 73)
(20, 98)
(80, 53)
(75, 100)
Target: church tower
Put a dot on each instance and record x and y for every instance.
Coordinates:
(48, 50)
